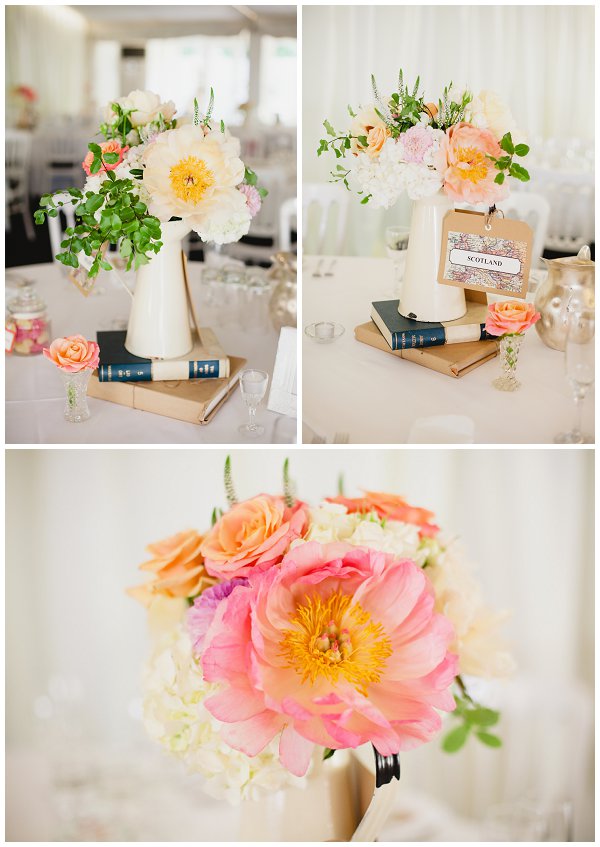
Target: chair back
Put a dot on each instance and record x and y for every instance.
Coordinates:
(288, 213)
(325, 211)
(55, 226)
(17, 156)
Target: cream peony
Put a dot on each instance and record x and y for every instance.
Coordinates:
(146, 107)
(480, 649)
(194, 176)
(175, 717)
(498, 117)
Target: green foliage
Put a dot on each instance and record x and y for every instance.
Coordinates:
(112, 213)
(327, 753)
(228, 479)
(506, 165)
(474, 720)
(450, 111)
(288, 486)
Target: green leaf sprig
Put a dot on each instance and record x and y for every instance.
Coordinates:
(505, 164)
(123, 220)
(474, 720)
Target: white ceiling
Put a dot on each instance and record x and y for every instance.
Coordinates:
(134, 23)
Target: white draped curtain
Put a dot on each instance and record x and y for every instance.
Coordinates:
(46, 49)
(78, 522)
(539, 59)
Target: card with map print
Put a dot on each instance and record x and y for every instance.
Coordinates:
(485, 253)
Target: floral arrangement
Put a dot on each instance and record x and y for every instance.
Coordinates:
(73, 354)
(463, 145)
(25, 92)
(151, 169)
(510, 317)
(288, 631)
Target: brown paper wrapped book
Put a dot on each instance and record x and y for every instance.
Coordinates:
(193, 400)
(454, 360)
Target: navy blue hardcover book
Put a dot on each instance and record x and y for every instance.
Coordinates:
(206, 360)
(404, 333)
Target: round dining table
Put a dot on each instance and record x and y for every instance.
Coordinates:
(34, 392)
(355, 393)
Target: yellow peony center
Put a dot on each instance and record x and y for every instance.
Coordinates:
(336, 638)
(190, 179)
(472, 164)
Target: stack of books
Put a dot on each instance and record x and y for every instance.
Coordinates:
(190, 389)
(453, 348)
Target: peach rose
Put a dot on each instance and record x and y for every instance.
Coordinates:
(510, 317)
(73, 353)
(392, 507)
(178, 568)
(470, 174)
(106, 147)
(431, 109)
(362, 125)
(254, 534)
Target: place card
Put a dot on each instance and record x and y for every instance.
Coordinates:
(284, 386)
(485, 252)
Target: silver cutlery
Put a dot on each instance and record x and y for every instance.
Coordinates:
(331, 267)
(341, 438)
(317, 271)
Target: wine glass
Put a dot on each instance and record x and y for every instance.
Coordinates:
(253, 385)
(579, 366)
(396, 245)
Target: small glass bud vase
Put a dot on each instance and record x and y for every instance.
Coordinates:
(76, 385)
(509, 356)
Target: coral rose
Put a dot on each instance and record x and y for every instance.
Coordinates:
(178, 568)
(338, 647)
(392, 507)
(470, 174)
(510, 317)
(254, 534)
(106, 147)
(362, 125)
(73, 353)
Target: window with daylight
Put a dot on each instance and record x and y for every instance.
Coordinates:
(277, 98)
(181, 69)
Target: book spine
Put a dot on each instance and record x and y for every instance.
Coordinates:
(440, 335)
(418, 338)
(165, 370)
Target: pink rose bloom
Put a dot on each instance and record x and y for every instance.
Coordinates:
(337, 647)
(470, 175)
(510, 317)
(73, 353)
(112, 146)
(254, 534)
(415, 143)
(253, 198)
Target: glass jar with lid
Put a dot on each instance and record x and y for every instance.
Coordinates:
(27, 320)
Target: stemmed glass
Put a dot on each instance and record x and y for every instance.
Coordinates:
(579, 366)
(396, 245)
(253, 385)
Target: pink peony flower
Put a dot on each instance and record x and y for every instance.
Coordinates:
(254, 534)
(470, 174)
(510, 317)
(253, 198)
(415, 143)
(106, 147)
(337, 647)
(73, 353)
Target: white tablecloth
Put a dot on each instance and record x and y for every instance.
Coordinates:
(35, 395)
(373, 397)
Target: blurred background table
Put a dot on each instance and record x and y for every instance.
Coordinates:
(373, 397)
(35, 395)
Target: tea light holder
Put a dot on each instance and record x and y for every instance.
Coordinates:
(324, 332)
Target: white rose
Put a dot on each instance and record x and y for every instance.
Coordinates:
(498, 117)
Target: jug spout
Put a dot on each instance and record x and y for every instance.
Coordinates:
(585, 253)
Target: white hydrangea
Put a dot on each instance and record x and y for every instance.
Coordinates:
(331, 522)
(421, 181)
(225, 228)
(382, 178)
(175, 717)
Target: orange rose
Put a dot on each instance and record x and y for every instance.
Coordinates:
(73, 353)
(178, 567)
(376, 138)
(510, 317)
(431, 109)
(254, 534)
(392, 507)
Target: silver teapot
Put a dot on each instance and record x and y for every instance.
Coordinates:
(569, 286)
(283, 304)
